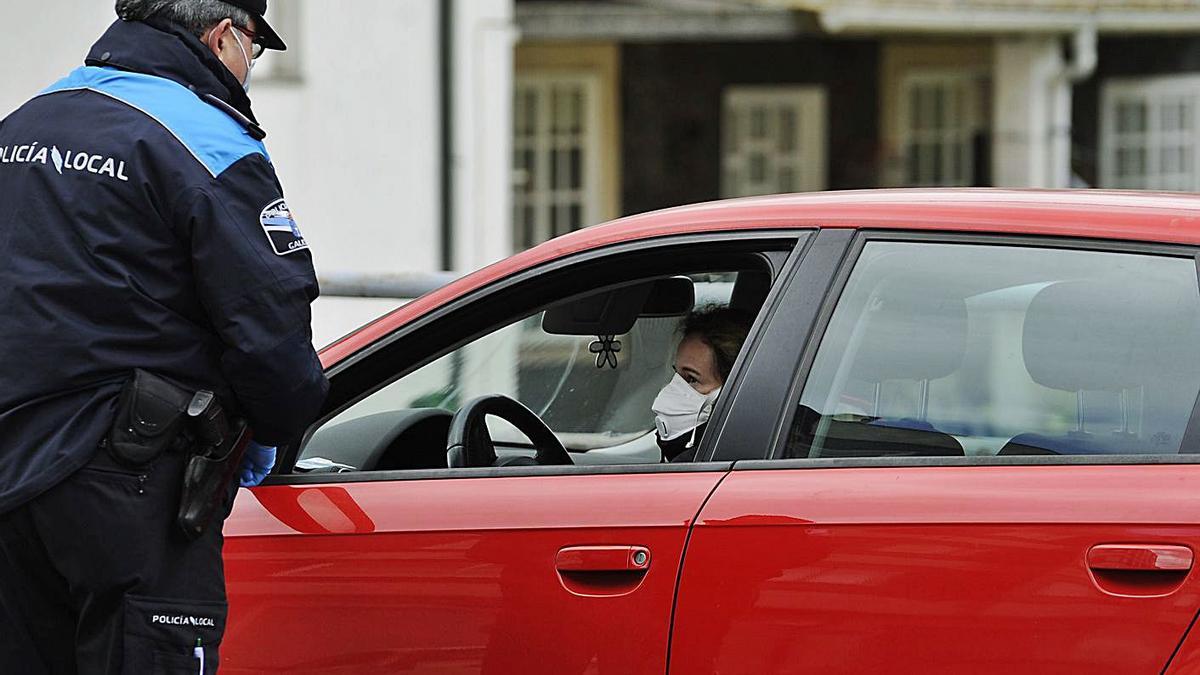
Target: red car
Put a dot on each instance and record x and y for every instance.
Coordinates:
(962, 436)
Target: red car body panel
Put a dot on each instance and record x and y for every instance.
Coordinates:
(862, 570)
(1187, 660)
(787, 570)
(454, 575)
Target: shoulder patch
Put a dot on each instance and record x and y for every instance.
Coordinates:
(281, 229)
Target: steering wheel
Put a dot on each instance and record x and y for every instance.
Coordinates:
(470, 444)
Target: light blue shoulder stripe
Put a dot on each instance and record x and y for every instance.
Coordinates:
(214, 138)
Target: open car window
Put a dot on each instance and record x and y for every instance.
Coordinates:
(593, 391)
(591, 379)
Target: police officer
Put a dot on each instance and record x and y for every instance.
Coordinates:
(141, 228)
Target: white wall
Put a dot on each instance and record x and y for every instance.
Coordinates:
(485, 35)
(44, 41)
(355, 139)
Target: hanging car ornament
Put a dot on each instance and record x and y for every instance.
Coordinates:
(606, 348)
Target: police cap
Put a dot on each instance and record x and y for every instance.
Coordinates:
(257, 8)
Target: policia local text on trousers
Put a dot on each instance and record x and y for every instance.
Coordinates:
(110, 580)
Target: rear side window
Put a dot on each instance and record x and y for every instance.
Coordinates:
(951, 350)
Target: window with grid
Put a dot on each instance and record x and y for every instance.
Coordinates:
(555, 174)
(774, 140)
(941, 116)
(1149, 134)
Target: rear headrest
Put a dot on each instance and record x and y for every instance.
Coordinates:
(912, 332)
(1101, 335)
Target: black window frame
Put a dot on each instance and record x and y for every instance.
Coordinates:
(747, 430)
(805, 354)
(356, 377)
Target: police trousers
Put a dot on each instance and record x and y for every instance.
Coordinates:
(96, 578)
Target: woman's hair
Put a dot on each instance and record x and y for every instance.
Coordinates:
(723, 329)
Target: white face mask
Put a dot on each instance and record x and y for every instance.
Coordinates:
(249, 61)
(679, 408)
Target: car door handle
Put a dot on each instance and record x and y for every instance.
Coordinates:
(603, 559)
(1140, 558)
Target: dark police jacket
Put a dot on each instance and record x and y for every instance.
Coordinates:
(142, 226)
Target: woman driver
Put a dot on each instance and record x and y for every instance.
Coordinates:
(712, 338)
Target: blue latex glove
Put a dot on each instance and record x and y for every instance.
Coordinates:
(257, 462)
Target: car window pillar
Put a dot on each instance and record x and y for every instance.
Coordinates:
(746, 428)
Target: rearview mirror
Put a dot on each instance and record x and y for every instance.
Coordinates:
(614, 311)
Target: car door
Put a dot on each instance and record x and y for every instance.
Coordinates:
(987, 465)
(555, 569)
(535, 573)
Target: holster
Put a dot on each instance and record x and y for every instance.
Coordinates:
(150, 415)
(208, 476)
(155, 415)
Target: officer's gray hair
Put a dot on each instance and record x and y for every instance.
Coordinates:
(197, 16)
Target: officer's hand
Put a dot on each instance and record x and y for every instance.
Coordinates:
(257, 462)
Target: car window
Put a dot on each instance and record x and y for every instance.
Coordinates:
(955, 349)
(595, 392)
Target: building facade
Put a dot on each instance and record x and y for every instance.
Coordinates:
(702, 99)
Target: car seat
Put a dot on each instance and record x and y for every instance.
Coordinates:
(911, 332)
(1101, 339)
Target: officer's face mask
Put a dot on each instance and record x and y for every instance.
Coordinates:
(246, 56)
(680, 409)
